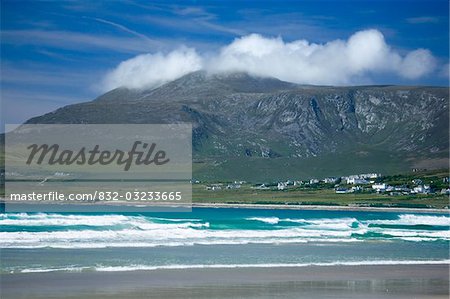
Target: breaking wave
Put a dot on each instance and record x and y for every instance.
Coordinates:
(22, 230)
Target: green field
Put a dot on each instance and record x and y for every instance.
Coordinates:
(316, 197)
(324, 194)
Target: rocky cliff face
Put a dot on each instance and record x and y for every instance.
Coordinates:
(241, 120)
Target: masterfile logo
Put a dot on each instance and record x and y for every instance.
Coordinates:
(148, 155)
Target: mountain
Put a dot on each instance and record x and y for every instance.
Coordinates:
(263, 129)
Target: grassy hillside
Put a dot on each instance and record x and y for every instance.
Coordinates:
(317, 197)
(258, 169)
(324, 194)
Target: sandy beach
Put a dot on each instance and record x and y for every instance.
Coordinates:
(28, 207)
(380, 281)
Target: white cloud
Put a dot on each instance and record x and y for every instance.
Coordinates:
(338, 62)
(417, 64)
(151, 70)
(334, 63)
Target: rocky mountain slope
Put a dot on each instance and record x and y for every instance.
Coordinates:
(266, 129)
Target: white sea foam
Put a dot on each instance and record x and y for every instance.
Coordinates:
(175, 219)
(416, 233)
(96, 220)
(23, 219)
(162, 234)
(333, 224)
(271, 265)
(270, 220)
(140, 231)
(409, 219)
(233, 266)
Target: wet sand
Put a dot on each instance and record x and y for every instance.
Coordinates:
(380, 281)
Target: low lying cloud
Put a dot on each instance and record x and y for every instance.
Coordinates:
(334, 63)
(152, 70)
(338, 62)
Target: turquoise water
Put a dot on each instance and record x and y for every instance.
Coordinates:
(210, 237)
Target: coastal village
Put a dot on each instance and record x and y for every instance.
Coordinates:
(363, 183)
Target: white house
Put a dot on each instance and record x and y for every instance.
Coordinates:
(356, 189)
(417, 189)
(233, 186)
(355, 181)
(213, 188)
(379, 187)
(330, 180)
(282, 185)
(421, 189)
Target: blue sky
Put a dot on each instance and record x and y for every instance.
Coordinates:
(58, 53)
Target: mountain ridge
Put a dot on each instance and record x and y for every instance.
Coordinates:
(254, 128)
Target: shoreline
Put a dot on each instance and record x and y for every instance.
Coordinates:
(318, 207)
(376, 281)
(240, 206)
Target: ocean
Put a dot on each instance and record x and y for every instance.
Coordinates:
(219, 238)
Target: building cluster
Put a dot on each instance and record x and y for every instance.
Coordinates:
(220, 186)
(418, 187)
(361, 179)
(368, 182)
